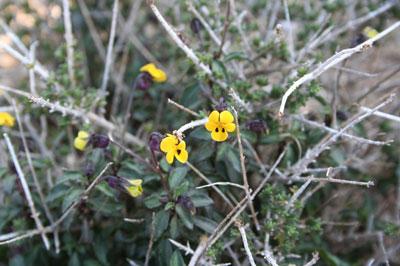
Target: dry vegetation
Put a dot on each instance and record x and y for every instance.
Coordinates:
(309, 176)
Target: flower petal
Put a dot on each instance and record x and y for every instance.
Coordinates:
(182, 156)
(135, 191)
(219, 135)
(226, 117)
(6, 119)
(214, 117)
(168, 143)
(136, 182)
(210, 125)
(83, 134)
(170, 156)
(80, 144)
(181, 145)
(157, 74)
(230, 127)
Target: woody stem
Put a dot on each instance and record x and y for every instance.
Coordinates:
(191, 125)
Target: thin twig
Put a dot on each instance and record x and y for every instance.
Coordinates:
(183, 108)
(239, 208)
(334, 180)
(109, 55)
(381, 114)
(346, 135)
(66, 213)
(27, 192)
(191, 125)
(244, 172)
(314, 260)
(151, 242)
(242, 232)
(332, 61)
(35, 179)
(64, 110)
(222, 184)
(202, 176)
(69, 38)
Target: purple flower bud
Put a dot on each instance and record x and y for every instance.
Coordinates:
(89, 169)
(154, 141)
(143, 81)
(257, 126)
(221, 106)
(187, 203)
(195, 25)
(113, 181)
(99, 141)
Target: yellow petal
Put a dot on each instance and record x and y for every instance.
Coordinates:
(136, 182)
(226, 117)
(80, 144)
(182, 156)
(157, 74)
(170, 157)
(230, 127)
(83, 134)
(6, 119)
(219, 135)
(181, 145)
(168, 143)
(370, 32)
(214, 117)
(210, 126)
(135, 191)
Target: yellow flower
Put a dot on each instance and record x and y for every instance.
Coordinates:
(370, 32)
(6, 119)
(135, 187)
(174, 148)
(157, 74)
(81, 140)
(219, 124)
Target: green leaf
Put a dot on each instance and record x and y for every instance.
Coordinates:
(176, 259)
(174, 227)
(57, 192)
(152, 201)
(176, 177)
(70, 176)
(271, 139)
(182, 188)
(72, 196)
(185, 217)
(235, 56)
(205, 224)
(201, 200)
(161, 222)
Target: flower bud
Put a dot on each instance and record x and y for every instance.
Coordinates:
(195, 25)
(257, 126)
(143, 81)
(154, 141)
(89, 169)
(187, 203)
(221, 106)
(99, 141)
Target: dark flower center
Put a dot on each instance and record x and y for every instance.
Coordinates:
(178, 151)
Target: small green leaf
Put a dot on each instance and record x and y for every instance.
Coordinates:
(152, 201)
(185, 217)
(176, 259)
(182, 188)
(205, 224)
(161, 222)
(71, 197)
(176, 177)
(174, 227)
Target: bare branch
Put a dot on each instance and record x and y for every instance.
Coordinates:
(332, 61)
